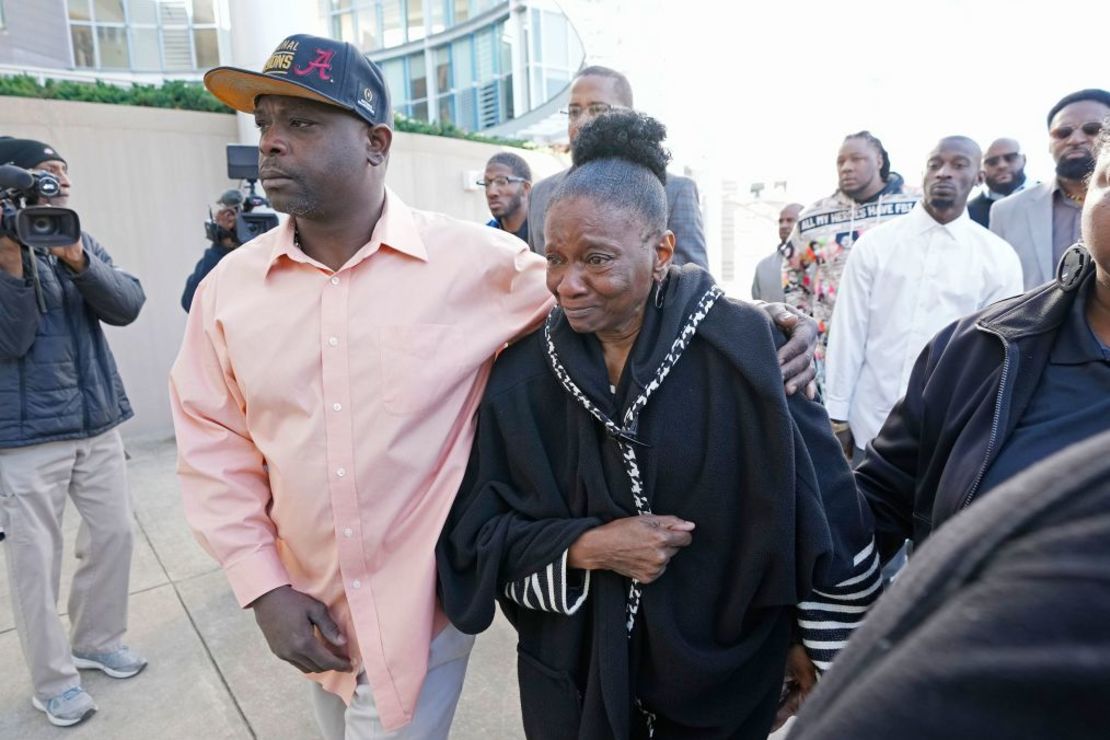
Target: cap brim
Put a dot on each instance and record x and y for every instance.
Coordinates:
(239, 88)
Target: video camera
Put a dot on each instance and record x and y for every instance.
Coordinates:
(242, 164)
(21, 219)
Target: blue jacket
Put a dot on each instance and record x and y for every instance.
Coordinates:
(58, 379)
(966, 395)
(207, 262)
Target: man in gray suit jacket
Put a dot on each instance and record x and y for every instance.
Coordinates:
(595, 91)
(767, 285)
(1041, 222)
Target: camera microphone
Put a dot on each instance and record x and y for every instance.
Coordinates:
(15, 177)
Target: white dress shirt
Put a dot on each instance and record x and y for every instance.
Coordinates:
(904, 281)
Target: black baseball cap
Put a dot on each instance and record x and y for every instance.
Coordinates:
(303, 66)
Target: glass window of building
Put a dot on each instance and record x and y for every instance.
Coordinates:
(369, 29)
(112, 44)
(79, 10)
(418, 86)
(445, 99)
(109, 11)
(394, 72)
(143, 12)
(393, 22)
(84, 55)
(461, 11)
(207, 46)
(415, 19)
(343, 27)
(146, 50)
(439, 16)
(144, 35)
(204, 11)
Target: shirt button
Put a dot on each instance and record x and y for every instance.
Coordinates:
(357, 583)
(337, 407)
(348, 532)
(333, 341)
(341, 472)
(335, 281)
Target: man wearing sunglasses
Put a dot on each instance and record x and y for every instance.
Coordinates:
(1042, 222)
(508, 183)
(1003, 174)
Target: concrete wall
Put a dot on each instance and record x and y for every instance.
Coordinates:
(142, 182)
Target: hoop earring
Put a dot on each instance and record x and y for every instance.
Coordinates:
(658, 301)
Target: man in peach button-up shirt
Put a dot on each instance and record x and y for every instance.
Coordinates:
(325, 391)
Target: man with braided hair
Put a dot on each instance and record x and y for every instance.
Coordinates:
(868, 194)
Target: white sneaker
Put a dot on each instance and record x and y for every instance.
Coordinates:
(67, 709)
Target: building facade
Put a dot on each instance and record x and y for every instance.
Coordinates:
(482, 65)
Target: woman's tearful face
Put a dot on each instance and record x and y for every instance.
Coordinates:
(601, 264)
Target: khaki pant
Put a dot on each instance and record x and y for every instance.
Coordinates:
(34, 483)
(435, 708)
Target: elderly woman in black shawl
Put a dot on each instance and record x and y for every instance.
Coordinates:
(643, 499)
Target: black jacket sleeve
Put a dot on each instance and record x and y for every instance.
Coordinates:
(888, 475)
(207, 261)
(508, 526)
(846, 576)
(115, 296)
(19, 316)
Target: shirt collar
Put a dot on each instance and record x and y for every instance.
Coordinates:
(922, 222)
(1076, 343)
(396, 230)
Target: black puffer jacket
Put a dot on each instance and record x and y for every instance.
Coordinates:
(58, 379)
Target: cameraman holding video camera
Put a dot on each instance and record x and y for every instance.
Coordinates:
(221, 233)
(61, 399)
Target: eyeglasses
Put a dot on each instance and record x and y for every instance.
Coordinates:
(1090, 128)
(500, 181)
(575, 112)
(1010, 158)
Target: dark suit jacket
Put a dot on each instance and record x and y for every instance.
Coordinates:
(684, 220)
(979, 209)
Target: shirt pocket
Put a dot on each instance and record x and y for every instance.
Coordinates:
(421, 364)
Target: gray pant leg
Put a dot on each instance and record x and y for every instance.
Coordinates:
(33, 485)
(98, 597)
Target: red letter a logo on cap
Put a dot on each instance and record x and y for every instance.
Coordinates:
(322, 64)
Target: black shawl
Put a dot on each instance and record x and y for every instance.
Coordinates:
(718, 444)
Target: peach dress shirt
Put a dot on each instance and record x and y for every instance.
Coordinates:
(324, 421)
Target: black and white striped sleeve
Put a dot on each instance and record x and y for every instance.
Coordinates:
(830, 615)
(551, 588)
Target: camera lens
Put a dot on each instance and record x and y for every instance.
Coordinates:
(43, 226)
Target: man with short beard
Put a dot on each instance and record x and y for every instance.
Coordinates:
(1041, 222)
(904, 281)
(508, 184)
(1004, 174)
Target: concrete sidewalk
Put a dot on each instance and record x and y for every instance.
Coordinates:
(211, 674)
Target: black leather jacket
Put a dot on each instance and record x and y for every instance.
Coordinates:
(966, 395)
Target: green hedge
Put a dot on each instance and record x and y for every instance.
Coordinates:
(172, 94)
(193, 96)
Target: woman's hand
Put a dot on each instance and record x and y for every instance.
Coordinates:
(638, 547)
